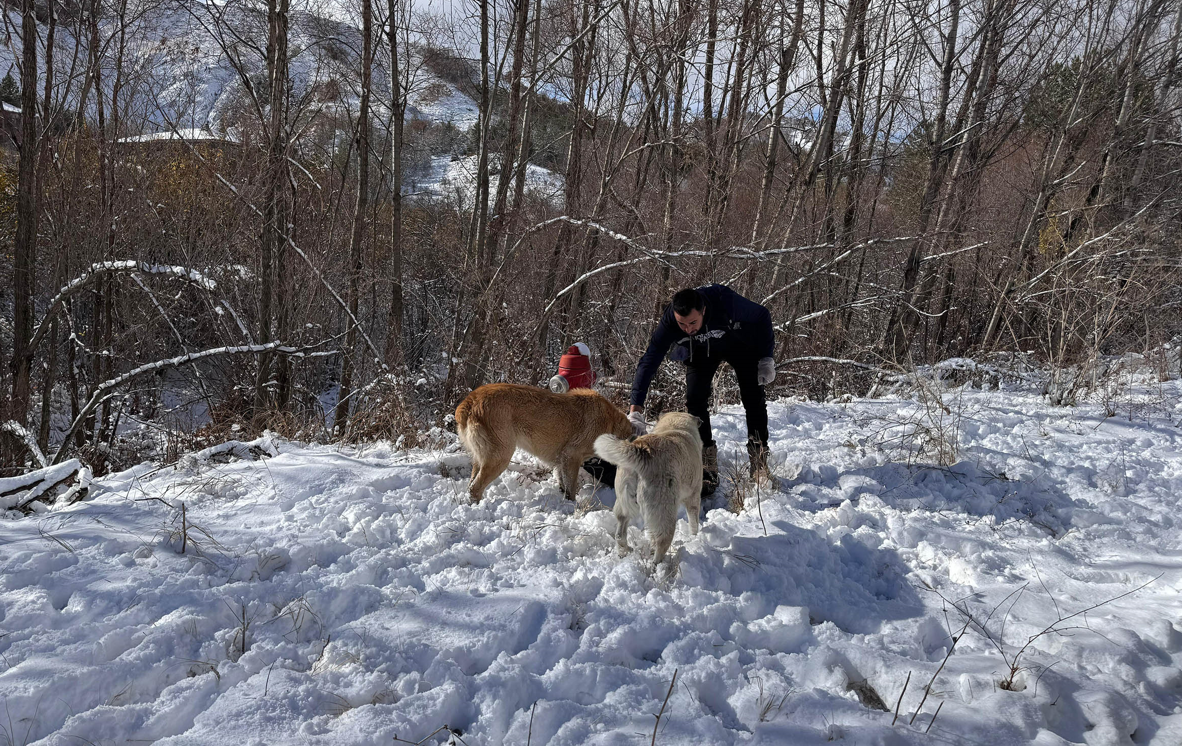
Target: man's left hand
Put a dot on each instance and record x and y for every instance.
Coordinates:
(767, 371)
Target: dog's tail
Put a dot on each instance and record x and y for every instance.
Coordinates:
(463, 412)
(463, 418)
(622, 453)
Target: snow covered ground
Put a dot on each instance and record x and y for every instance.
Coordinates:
(353, 596)
(455, 178)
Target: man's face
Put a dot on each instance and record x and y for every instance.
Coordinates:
(690, 323)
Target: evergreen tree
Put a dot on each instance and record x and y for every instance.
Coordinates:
(9, 92)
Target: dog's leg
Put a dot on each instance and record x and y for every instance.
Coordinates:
(487, 469)
(568, 477)
(475, 485)
(693, 506)
(661, 544)
(658, 504)
(622, 522)
(625, 507)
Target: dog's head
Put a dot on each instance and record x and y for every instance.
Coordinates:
(621, 426)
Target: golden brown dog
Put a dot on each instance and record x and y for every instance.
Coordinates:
(559, 429)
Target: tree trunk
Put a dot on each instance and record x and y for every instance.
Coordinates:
(584, 254)
(560, 257)
(341, 418)
(24, 261)
(673, 154)
(903, 318)
(478, 231)
(394, 323)
(274, 212)
(510, 148)
(1162, 99)
(831, 106)
(787, 61)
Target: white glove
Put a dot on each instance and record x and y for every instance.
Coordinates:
(639, 426)
(767, 371)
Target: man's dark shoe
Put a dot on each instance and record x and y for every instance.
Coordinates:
(709, 469)
(757, 454)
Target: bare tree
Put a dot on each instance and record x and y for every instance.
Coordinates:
(341, 419)
(275, 212)
(398, 89)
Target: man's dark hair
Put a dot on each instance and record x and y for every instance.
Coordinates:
(688, 300)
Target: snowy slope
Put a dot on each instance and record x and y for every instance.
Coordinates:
(455, 178)
(181, 80)
(440, 102)
(379, 604)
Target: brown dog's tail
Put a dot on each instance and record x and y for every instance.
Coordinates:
(621, 452)
(463, 417)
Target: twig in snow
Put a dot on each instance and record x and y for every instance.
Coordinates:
(928, 689)
(662, 712)
(1013, 661)
(899, 701)
(934, 716)
(158, 499)
(240, 640)
(50, 537)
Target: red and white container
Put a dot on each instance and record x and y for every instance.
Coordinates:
(574, 370)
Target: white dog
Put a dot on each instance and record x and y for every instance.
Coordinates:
(657, 473)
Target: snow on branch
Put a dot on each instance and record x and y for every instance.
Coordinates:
(262, 447)
(1066, 258)
(17, 493)
(860, 303)
(827, 265)
(934, 257)
(106, 268)
(588, 275)
(732, 252)
(104, 389)
(24, 436)
(834, 361)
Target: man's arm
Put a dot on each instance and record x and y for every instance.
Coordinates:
(646, 369)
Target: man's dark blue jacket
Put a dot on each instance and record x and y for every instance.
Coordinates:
(732, 326)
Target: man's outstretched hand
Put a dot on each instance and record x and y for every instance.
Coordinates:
(767, 371)
(639, 426)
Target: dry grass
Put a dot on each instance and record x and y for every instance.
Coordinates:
(386, 411)
(745, 489)
(928, 431)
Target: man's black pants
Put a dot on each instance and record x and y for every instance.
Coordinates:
(699, 383)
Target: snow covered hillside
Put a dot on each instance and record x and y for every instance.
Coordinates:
(455, 178)
(185, 84)
(309, 594)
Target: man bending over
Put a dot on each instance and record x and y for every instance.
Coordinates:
(706, 327)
